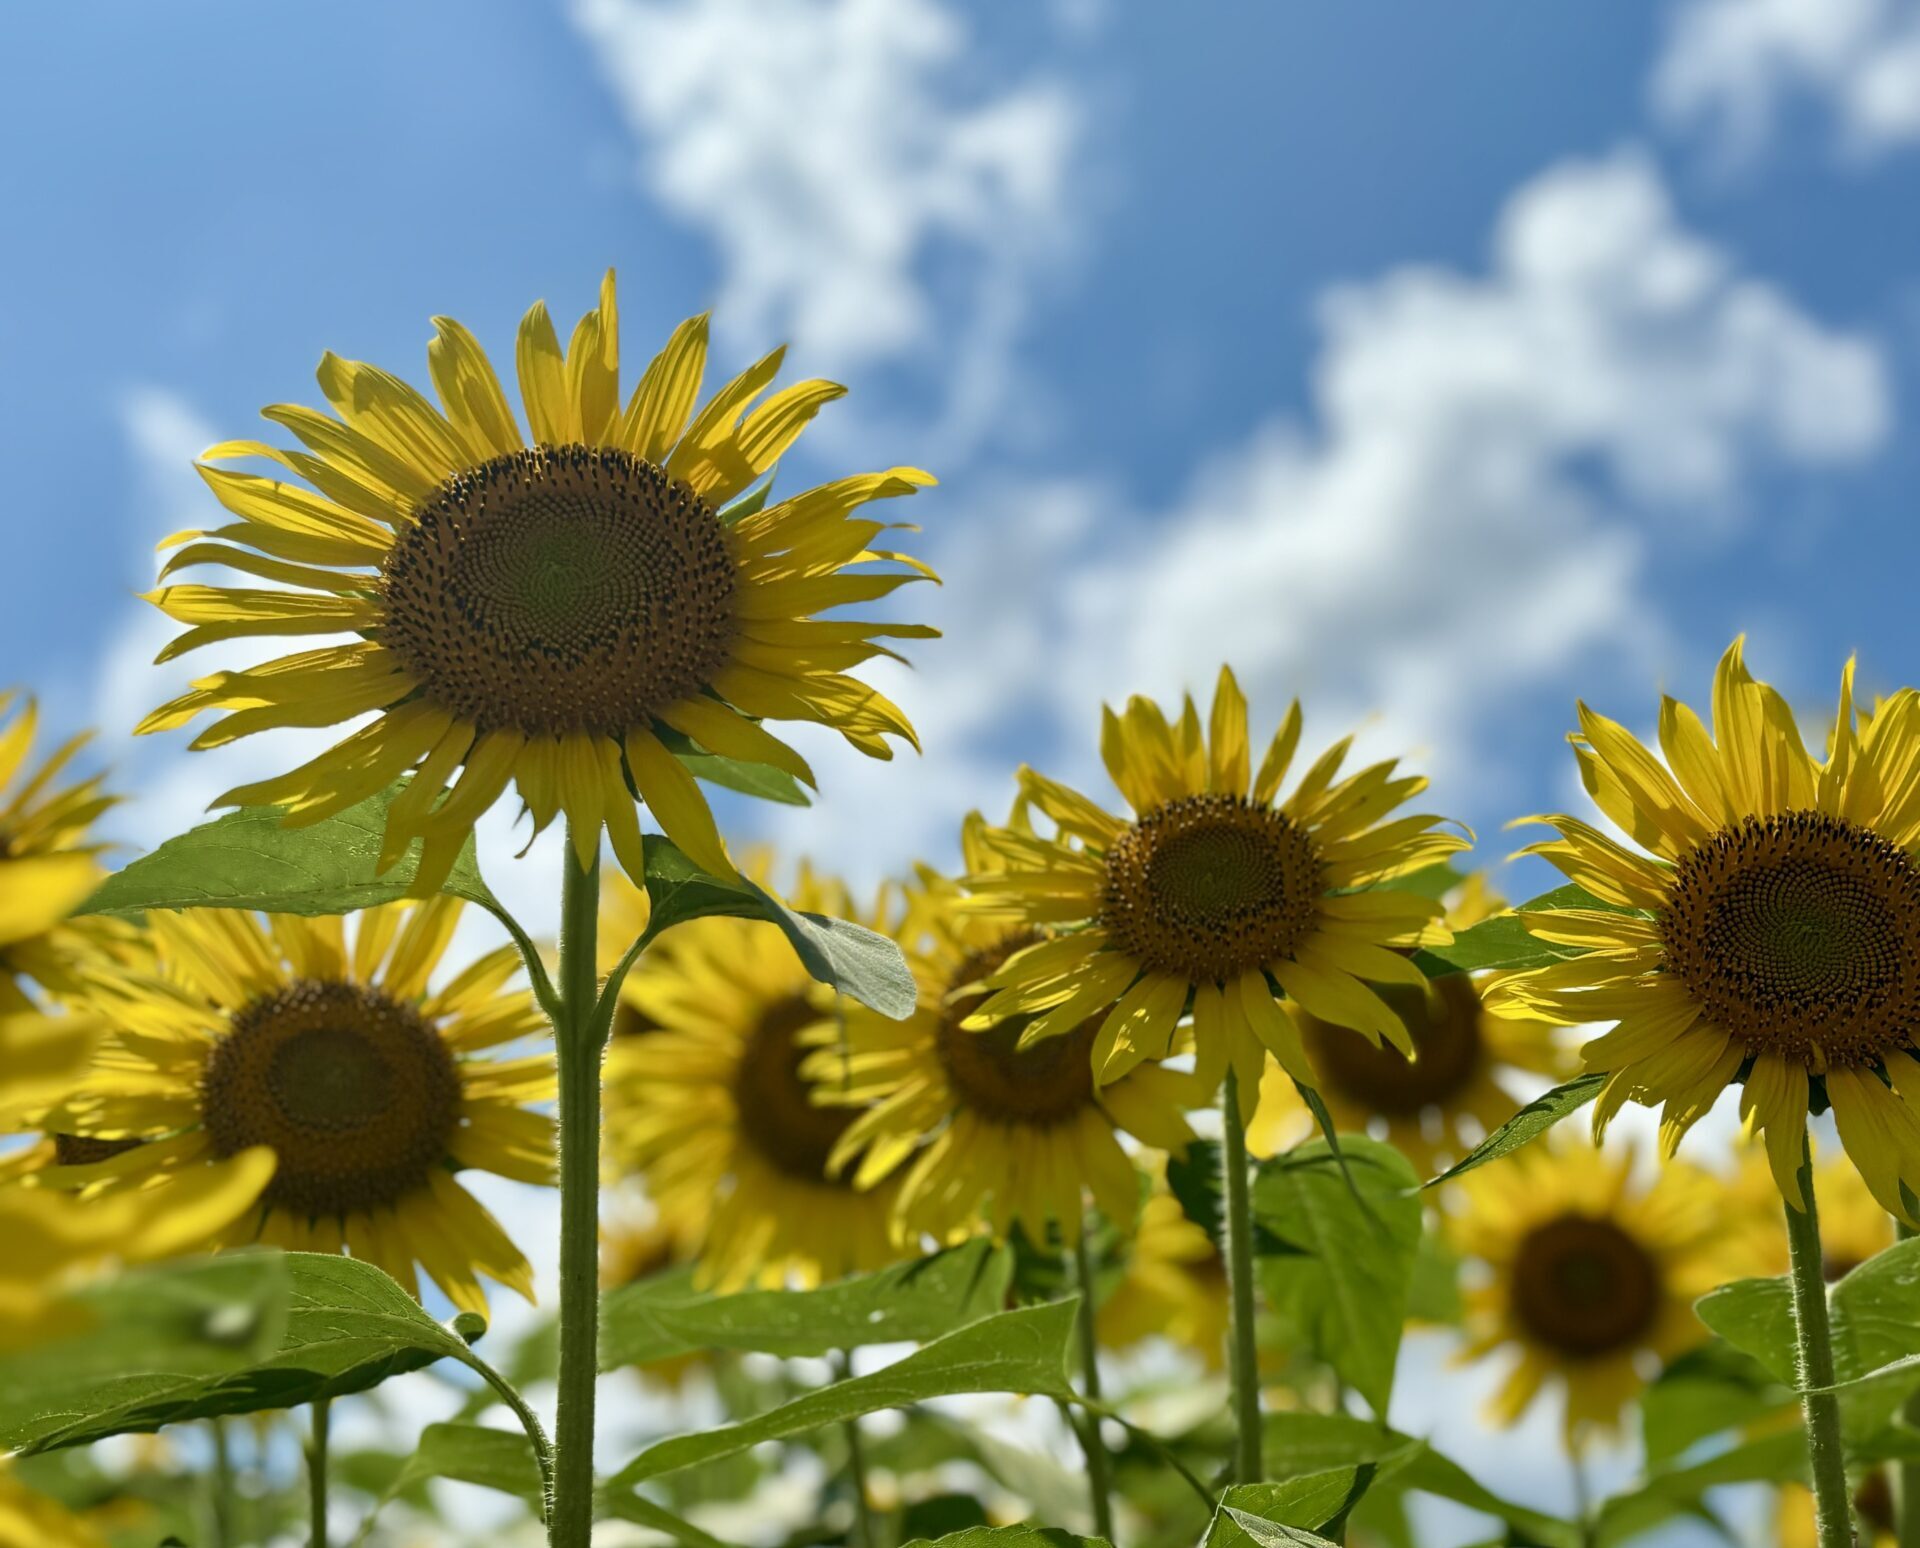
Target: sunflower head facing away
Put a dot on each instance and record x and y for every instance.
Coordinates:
(1765, 930)
(1459, 1087)
(708, 1104)
(369, 1085)
(1214, 891)
(561, 609)
(988, 1128)
(1587, 1279)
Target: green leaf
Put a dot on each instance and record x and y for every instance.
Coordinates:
(1195, 1179)
(1429, 1472)
(754, 779)
(1503, 941)
(250, 859)
(849, 957)
(664, 1316)
(1707, 1391)
(1297, 1444)
(501, 1460)
(1771, 1459)
(1348, 1300)
(347, 1327)
(642, 1511)
(1025, 1536)
(1527, 1125)
(1018, 1351)
(1287, 1514)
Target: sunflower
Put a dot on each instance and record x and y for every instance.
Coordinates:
(1432, 1108)
(1012, 1134)
(707, 1103)
(1174, 1287)
(1213, 895)
(1768, 935)
(49, 862)
(1590, 1276)
(564, 610)
(365, 1082)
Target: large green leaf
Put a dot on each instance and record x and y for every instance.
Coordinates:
(1024, 1536)
(662, 1317)
(1503, 941)
(347, 1327)
(847, 956)
(1018, 1351)
(1195, 1179)
(1358, 1218)
(641, 1511)
(1290, 1513)
(1527, 1125)
(250, 859)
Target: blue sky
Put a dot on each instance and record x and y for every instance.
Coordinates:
(1437, 362)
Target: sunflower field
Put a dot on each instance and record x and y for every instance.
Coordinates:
(529, 1107)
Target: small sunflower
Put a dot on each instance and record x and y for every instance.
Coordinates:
(366, 1083)
(49, 861)
(1770, 934)
(1591, 1277)
(1213, 892)
(988, 1128)
(560, 610)
(1436, 1106)
(706, 1102)
(1174, 1287)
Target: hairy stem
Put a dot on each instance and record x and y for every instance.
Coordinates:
(570, 1510)
(1243, 1356)
(317, 1473)
(1099, 1466)
(1832, 1510)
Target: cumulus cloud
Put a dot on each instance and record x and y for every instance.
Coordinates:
(1731, 66)
(1465, 514)
(865, 197)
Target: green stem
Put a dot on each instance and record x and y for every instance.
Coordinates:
(1906, 1475)
(222, 1488)
(1099, 1467)
(857, 1465)
(1832, 1509)
(317, 1473)
(1243, 1355)
(570, 1509)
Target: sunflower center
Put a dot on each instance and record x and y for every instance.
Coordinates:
(1585, 1287)
(1037, 1087)
(1799, 934)
(778, 1117)
(1443, 1019)
(356, 1094)
(1209, 886)
(560, 589)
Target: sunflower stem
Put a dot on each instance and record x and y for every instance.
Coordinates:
(570, 1509)
(1832, 1510)
(1243, 1356)
(1906, 1475)
(869, 1536)
(317, 1473)
(223, 1534)
(1099, 1468)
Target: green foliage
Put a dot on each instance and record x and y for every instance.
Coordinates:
(855, 960)
(1503, 942)
(1527, 1125)
(760, 780)
(341, 1326)
(250, 859)
(1018, 1351)
(1357, 1217)
(1679, 1491)
(1010, 1537)
(1195, 1179)
(664, 1316)
(1707, 1391)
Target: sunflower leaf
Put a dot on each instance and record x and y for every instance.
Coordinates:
(250, 859)
(340, 1326)
(1195, 1179)
(761, 780)
(1503, 941)
(1359, 1215)
(1022, 1351)
(1025, 1535)
(659, 1318)
(1527, 1125)
(848, 957)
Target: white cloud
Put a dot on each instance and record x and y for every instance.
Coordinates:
(1733, 65)
(1468, 513)
(866, 200)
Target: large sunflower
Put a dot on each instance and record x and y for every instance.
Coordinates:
(1214, 892)
(49, 861)
(994, 1131)
(367, 1084)
(561, 610)
(1769, 936)
(1590, 1275)
(707, 1103)
(1460, 1086)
